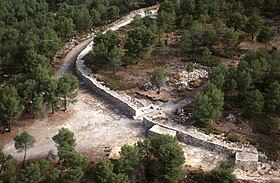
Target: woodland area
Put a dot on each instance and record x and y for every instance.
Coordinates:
(157, 159)
(207, 32)
(31, 33)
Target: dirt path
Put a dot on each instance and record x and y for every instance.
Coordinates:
(96, 125)
(69, 61)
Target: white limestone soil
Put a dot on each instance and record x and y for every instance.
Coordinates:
(96, 129)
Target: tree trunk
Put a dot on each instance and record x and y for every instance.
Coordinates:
(188, 79)
(3, 163)
(24, 157)
(65, 104)
(2, 166)
(52, 109)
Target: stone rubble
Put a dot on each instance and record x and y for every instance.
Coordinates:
(186, 77)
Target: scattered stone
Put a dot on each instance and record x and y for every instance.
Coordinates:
(231, 118)
(146, 86)
(53, 156)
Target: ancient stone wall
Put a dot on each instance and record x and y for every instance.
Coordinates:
(130, 107)
(127, 105)
(122, 102)
(190, 139)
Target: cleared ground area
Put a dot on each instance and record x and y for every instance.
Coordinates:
(97, 128)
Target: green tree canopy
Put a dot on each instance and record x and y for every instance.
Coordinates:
(272, 97)
(103, 171)
(32, 174)
(67, 88)
(208, 105)
(254, 103)
(23, 142)
(64, 138)
(10, 104)
(220, 174)
(158, 77)
(139, 42)
(230, 38)
(254, 25)
(237, 21)
(266, 34)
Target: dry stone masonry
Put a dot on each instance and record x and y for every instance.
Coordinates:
(247, 158)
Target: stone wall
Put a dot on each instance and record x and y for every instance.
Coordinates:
(190, 139)
(122, 102)
(129, 106)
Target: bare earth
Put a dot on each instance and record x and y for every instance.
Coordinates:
(95, 127)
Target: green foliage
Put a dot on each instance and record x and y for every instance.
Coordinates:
(232, 138)
(9, 168)
(237, 21)
(189, 67)
(67, 88)
(156, 159)
(202, 109)
(33, 59)
(120, 178)
(139, 43)
(130, 159)
(208, 105)
(103, 171)
(137, 21)
(254, 104)
(74, 159)
(73, 163)
(171, 157)
(32, 174)
(4, 158)
(10, 104)
(243, 81)
(210, 37)
(219, 74)
(41, 171)
(220, 174)
(256, 64)
(38, 106)
(64, 138)
(196, 32)
(254, 25)
(49, 171)
(185, 41)
(216, 99)
(65, 27)
(230, 38)
(51, 96)
(23, 142)
(266, 34)
(74, 174)
(158, 76)
(107, 49)
(167, 14)
(272, 97)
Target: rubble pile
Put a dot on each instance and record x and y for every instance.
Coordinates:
(186, 77)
